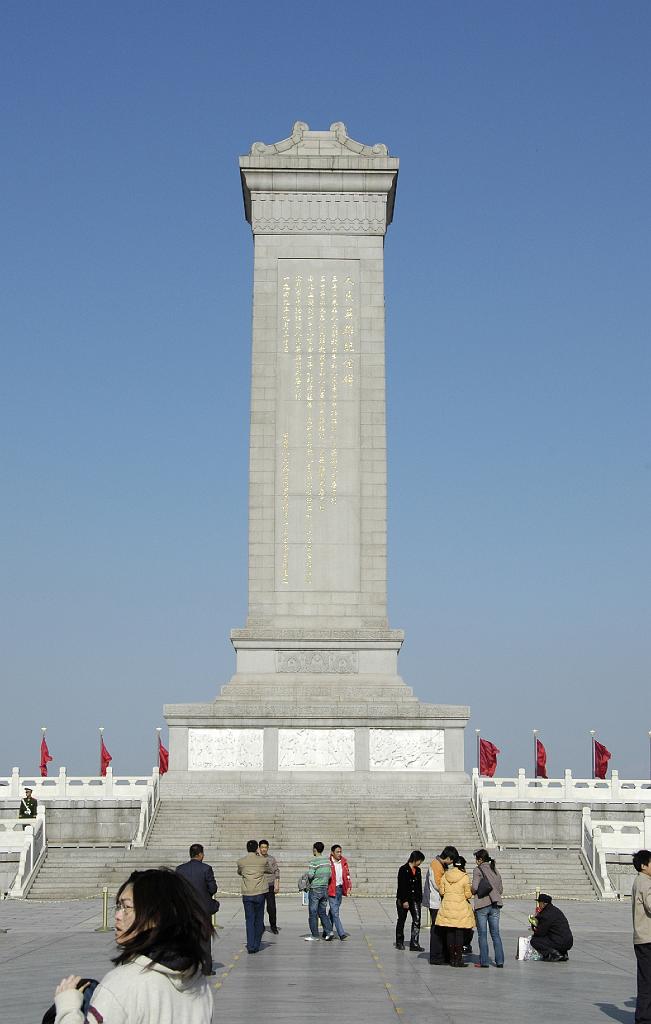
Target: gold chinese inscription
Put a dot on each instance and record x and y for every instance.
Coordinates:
(318, 336)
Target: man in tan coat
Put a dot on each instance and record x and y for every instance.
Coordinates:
(641, 904)
(257, 874)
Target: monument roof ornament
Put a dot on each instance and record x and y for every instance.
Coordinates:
(303, 142)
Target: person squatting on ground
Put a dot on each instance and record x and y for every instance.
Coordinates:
(274, 885)
(487, 907)
(339, 886)
(552, 937)
(641, 905)
(202, 879)
(256, 874)
(409, 897)
(455, 913)
(438, 949)
(318, 876)
(160, 929)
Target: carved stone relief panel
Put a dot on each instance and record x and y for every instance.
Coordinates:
(287, 212)
(225, 749)
(339, 662)
(316, 750)
(407, 750)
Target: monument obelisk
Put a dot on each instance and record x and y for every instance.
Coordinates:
(316, 687)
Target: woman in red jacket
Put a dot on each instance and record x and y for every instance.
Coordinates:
(340, 886)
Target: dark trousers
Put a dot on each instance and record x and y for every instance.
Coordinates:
(271, 906)
(643, 1005)
(206, 945)
(254, 916)
(414, 910)
(438, 947)
(544, 945)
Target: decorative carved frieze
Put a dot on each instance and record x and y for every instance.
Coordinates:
(300, 212)
(329, 662)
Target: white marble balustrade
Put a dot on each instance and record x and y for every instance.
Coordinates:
(68, 787)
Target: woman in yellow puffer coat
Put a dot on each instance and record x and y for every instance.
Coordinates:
(456, 913)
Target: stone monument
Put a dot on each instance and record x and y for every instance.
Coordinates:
(316, 689)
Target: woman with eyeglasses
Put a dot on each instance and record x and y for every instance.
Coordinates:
(161, 932)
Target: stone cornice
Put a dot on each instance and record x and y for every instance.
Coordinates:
(319, 162)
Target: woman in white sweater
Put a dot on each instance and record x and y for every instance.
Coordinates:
(159, 927)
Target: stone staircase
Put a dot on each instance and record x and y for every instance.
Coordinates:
(376, 834)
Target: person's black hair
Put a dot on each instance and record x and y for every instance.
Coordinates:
(450, 852)
(416, 855)
(169, 923)
(195, 850)
(261, 841)
(319, 847)
(460, 862)
(485, 857)
(252, 846)
(641, 859)
(335, 846)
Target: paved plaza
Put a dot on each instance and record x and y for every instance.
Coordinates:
(361, 980)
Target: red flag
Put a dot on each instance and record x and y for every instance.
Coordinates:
(45, 757)
(541, 760)
(163, 757)
(601, 758)
(487, 758)
(104, 757)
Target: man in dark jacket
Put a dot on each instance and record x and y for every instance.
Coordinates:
(409, 897)
(202, 879)
(552, 936)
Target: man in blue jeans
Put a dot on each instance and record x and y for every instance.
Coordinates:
(318, 873)
(340, 886)
(257, 874)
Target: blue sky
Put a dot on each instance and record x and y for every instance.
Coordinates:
(517, 287)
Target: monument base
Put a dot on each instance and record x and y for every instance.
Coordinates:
(318, 710)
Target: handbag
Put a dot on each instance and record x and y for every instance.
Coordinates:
(484, 888)
(304, 882)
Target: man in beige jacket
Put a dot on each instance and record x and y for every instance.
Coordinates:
(257, 874)
(641, 904)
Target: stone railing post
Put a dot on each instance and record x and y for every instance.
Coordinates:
(108, 782)
(647, 828)
(614, 784)
(567, 785)
(522, 784)
(15, 783)
(62, 787)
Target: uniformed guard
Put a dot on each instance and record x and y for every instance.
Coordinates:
(28, 805)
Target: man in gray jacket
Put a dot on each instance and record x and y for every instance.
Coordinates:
(274, 884)
(641, 904)
(256, 874)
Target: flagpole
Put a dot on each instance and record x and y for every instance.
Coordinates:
(650, 753)
(535, 754)
(158, 732)
(101, 737)
(477, 731)
(592, 735)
